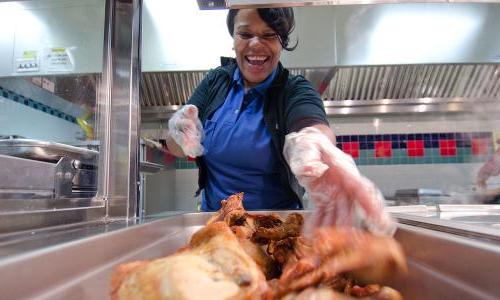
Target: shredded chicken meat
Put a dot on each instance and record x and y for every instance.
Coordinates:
(241, 255)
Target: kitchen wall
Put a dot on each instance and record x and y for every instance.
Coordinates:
(54, 37)
(450, 173)
(176, 35)
(33, 123)
(159, 193)
(180, 37)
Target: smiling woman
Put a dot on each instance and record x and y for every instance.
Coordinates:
(265, 131)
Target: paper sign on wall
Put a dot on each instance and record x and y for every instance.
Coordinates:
(59, 59)
(28, 62)
(48, 85)
(37, 80)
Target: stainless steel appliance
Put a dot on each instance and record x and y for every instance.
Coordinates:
(45, 169)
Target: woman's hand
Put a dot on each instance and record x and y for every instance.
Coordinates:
(342, 196)
(186, 131)
(490, 168)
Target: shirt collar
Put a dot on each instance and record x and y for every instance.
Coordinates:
(261, 87)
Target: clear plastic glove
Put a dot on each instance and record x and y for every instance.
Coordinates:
(490, 168)
(341, 195)
(186, 130)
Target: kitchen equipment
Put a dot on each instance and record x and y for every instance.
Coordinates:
(54, 170)
(419, 196)
(38, 169)
(47, 151)
(479, 221)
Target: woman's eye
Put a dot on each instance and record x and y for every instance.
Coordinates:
(245, 35)
(270, 36)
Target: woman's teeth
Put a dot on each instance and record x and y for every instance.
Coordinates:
(256, 60)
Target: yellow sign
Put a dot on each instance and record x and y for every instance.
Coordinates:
(31, 54)
(496, 137)
(59, 60)
(59, 50)
(27, 61)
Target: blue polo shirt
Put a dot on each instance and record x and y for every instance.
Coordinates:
(239, 153)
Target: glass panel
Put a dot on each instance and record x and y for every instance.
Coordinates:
(51, 61)
(176, 39)
(412, 91)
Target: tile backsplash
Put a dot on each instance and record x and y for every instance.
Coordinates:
(412, 148)
(397, 151)
(417, 148)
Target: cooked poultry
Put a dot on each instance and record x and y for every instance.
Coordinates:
(233, 213)
(384, 293)
(213, 266)
(288, 250)
(244, 226)
(234, 254)
(340, 250)
(231, 210)
(266, 263)
(316, 294)
(292, 227)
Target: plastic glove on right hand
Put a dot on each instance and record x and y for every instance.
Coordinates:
(187, 131)
(342, 196)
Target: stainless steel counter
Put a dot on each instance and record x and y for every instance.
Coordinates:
(441, 265)
(473, 221)
(24, 242)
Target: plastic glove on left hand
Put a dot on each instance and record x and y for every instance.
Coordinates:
(343, 197)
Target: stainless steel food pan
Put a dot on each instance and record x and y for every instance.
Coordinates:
(46, 151)
(441, 265)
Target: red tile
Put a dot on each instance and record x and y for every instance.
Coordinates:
(351, 148)
(149, 154)
(168, 158)
(415, 148)
(480, 146)
(383, 149)
(447, 147)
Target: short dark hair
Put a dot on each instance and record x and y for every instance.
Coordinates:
(280, 20)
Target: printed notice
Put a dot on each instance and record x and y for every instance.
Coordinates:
(48, 85)
(28, 62)
(59, 60)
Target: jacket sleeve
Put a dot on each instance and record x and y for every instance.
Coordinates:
(304, 106)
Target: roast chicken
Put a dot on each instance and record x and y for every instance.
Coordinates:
(212, 266)
(241, 255)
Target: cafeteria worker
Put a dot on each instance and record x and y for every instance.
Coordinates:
(255, 128)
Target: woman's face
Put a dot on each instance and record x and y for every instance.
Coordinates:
(257, 47)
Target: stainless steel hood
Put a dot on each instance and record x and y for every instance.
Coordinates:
(477, 81)
(474, 81)
(411, 88)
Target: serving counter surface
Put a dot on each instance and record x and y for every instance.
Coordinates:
(473, 221)
(441, 265)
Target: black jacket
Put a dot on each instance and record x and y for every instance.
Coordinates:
(290, 104)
